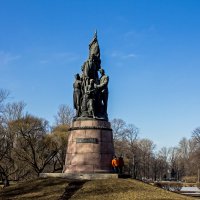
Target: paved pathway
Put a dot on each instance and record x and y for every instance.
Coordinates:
(190, 191)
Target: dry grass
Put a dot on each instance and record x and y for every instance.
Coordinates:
(40, 189)
(123, 189)
(112, 189)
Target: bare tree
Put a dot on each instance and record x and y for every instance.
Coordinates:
(125, 143)
(163, 166)
(196, 134)
(118, 127)
(174, 155)
(59, 136)
(64, 115)
(146, 153)
(14, 111)
(3, 96)
(4, 140)
(4, 149)
(33, 146)
(132, 132)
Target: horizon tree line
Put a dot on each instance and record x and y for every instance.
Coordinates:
(30, 146)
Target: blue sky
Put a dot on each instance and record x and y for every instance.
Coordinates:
(149, 49)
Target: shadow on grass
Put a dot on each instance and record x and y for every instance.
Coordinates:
(124, 176)
(28, 187)
(71, 189)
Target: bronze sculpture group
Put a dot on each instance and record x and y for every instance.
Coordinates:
(90, 91)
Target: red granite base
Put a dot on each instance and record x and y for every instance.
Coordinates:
(90, 147)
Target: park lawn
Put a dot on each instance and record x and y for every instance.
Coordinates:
(35, 189)
(110, 189)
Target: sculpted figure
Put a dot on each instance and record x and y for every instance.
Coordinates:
(91, 98)
(94, 47)
(88, 102)
(85, 69)
(90, 91)
(90, 69)
(77, 94)
(94, 67)
(103, 87)
(94, 56)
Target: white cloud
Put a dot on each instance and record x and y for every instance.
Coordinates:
(120, 55)
(66, 56)
(6, 58)
(131, 55)
(140, 34)
(61, 57)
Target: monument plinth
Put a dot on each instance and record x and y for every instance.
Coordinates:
(90, 142)
(90, 147)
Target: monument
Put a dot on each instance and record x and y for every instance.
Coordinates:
(90, 142)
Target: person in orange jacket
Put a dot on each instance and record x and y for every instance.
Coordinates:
(115, 164)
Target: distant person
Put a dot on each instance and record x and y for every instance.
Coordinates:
(5, 183)
(121, 164)
(115, 164)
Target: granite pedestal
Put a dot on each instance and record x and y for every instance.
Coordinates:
(90, 147)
